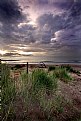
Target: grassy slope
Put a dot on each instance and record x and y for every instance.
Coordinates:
(40, 95)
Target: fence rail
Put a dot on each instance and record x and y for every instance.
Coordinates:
(41, 64)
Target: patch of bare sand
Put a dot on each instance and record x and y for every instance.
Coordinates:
(72, 91)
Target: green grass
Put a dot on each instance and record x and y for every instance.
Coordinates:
(7, 90)
(62, 74)
(38, 88)
(42, 79)
(39, 79)
(70, 69)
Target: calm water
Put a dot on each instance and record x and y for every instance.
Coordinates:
(46, 62)
(46, 59)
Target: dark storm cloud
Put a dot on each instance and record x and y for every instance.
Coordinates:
(43, 1)
(56, 31)
(64, 4)
(11, 54)
(15, 54)
(76, 9)
(55, 22)
(26, 33)
(49, 24)
(26, 28)
(46, 38)
(74, 6)
(10, 12)
(10, 16)
(66, 27)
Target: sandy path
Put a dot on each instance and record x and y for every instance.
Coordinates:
(72, 91)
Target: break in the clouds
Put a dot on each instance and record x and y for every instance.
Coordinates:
(48, 29)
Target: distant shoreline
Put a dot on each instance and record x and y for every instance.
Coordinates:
(47, 63)
(39, 65)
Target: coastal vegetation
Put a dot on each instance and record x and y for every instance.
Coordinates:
(38, 95)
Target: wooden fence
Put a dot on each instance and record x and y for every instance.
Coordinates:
(40, 64)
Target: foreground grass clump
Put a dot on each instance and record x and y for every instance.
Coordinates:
(38, 86)
(70, 69)
(42, 79)
(40, 93)
(7, 91)
(39, 79)
(62, 74)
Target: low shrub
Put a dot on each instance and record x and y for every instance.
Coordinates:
(51, 68)
(70, 69)
(62, 74)
(18, 66)
(43, 79)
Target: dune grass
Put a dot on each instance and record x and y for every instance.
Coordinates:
(70, 69)
(41, 87)
(7, 91)
(37, 85)
(43, 79)
(62, 74)
(37, 89)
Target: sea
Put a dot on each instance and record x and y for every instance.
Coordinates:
(47, 60)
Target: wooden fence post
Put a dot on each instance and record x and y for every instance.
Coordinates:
(0, 72)
(27, 67)
(0, 61)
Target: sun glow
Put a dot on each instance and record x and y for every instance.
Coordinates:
(21, 24)
(2, 52)
(32, 23)
(25, 53)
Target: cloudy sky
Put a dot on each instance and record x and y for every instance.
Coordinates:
(40, 30)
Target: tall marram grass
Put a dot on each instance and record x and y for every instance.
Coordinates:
(40, 91)
(38, 87)
(62, 73)
(42, 79)
(7, 91)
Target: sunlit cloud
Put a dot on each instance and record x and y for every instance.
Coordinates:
(20, 25)
(3, 52)
(24, 53)
(54, 40)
